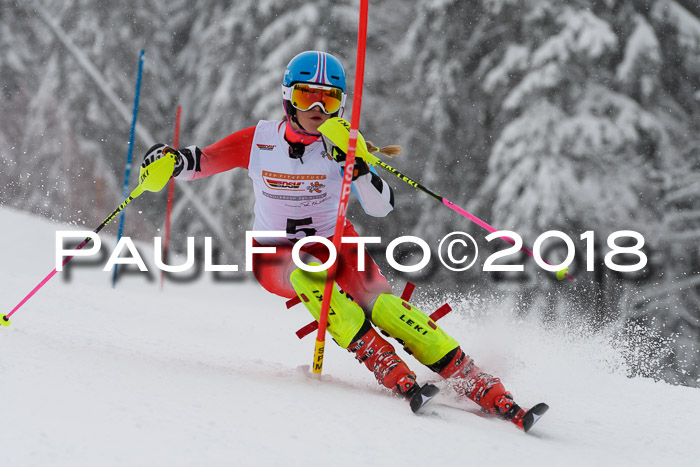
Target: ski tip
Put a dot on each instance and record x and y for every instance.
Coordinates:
(423, 396)
(4, 320)
(533, 415)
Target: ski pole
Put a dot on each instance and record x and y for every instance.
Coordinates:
(336, 129)
(456, 208)
(152, 178)
(317, 364)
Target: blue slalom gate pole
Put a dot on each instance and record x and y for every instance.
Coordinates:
(129, 155)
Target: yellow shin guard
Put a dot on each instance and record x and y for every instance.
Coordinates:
(345, 317)
(418, 332)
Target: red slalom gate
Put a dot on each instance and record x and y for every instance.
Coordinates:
(317, 364)
(171, 194)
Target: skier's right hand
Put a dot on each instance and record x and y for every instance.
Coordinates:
(160, 150)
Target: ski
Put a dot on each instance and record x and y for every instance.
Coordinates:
(533, 415)
(525, 421)
(423, 396)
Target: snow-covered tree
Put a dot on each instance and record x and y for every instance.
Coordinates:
(585, 110)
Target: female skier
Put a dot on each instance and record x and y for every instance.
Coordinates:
(297, 184)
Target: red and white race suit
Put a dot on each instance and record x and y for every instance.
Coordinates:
(299, 196)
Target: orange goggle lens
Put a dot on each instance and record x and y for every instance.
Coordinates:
(305, 96)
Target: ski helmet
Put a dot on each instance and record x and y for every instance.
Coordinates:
(319, 70)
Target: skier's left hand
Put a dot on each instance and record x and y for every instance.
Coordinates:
(361, 167)
(160, 150)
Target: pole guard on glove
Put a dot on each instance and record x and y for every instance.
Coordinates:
(160, 163)
(336, 132)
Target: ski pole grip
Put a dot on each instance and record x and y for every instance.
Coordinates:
(4, 320)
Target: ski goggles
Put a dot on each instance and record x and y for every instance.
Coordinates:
(304, 96)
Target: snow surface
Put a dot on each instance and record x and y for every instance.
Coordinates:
(211, 374)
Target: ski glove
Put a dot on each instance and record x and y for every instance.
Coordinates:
(159, 150)
(361, 167)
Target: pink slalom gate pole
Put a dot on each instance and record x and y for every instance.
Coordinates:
(171, 194)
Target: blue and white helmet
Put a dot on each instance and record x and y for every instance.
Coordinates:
(316, 68)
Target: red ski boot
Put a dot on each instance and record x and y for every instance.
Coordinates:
(481, 387)
(379, 356)
(486, 390)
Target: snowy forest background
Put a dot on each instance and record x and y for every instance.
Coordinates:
(534, 115)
